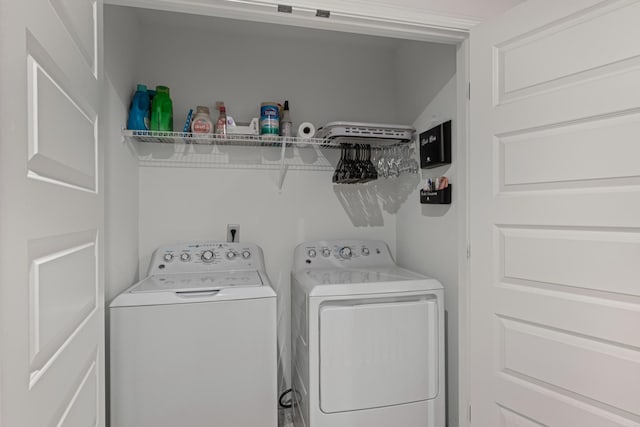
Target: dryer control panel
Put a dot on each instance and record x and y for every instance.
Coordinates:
(205, 256)
(345, 253)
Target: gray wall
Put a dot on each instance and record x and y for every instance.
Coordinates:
(121, 167)
(427, 235)
(324, 75)
(421, 70)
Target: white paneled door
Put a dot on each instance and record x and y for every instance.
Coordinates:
(51, 214)
(555, 222)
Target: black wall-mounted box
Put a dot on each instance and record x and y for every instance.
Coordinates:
(439, 197)
(435, 146)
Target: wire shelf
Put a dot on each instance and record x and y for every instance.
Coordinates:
(160, 137)
(182, 149)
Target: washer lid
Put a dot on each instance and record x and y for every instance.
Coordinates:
(198, 281)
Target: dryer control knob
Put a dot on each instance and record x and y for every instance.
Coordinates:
(326, 252)
(365, 251)
(168, 257)
(345, 252)
(231, 255)
(185, 257)
(246, 254)
(207, 256)
(311, 253)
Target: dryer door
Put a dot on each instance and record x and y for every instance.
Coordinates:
(378, 352)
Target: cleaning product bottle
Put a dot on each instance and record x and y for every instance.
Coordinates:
(201, 121)
(162, 110)
(139, 110)
(152, 94)
(285, 121)
(187, 124)
(221, 123)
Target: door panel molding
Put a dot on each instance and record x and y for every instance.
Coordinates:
(603, 260)
(518, 61)
(547, 356)
(547, 406)
(577, 142)
(60, 301)
(62, 126)
(82, 409)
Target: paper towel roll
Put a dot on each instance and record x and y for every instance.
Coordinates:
(306, 130)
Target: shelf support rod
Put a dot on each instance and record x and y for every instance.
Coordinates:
(283, 169)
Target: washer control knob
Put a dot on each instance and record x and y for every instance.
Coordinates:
(246, 254)
(326, 252)
(207, 256)
(345, 252)
(231, 255)
(311, 253)
(185, 257)
(365, 251)
(168, 257)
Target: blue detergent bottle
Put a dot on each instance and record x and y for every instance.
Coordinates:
(140, 110)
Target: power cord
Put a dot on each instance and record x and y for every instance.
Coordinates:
(286, 403)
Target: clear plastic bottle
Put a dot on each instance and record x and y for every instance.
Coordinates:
(221, 123)
(201, 121)
(285, 121)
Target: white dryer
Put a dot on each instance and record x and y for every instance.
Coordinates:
(367, 339)
(194, 343)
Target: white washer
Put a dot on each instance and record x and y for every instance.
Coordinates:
(194, 343)
(367, 338)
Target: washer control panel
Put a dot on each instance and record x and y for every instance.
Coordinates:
(202, 256)
(347, 253)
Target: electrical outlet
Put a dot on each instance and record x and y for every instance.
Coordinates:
(233, 232)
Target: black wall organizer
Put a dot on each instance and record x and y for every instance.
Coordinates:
(439, 197)
(435, 146)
